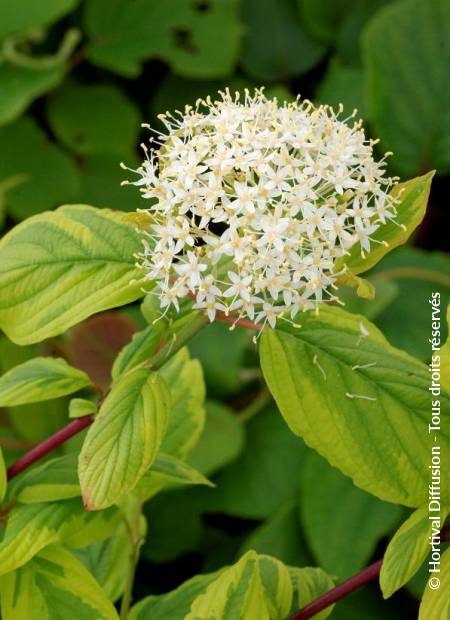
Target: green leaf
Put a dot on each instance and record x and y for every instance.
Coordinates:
(323, 19)
(445, 356)
(28, 14)
(413, 196)
(85, 263)
(53, 480)
(174, 605)
(3, 480)
(417, 275)
(324, 491)
(280, 536)
(184, 377)
(221, 441)
(406, 50)
(167, 472)
(54, 584)
(81, 407)
(124, 439)
(256, 484)
(21, 85)
(41, 378)
(94, 119)
(435, 604)
(343, 84)
(308, 584)
(104, 560)
(195, 43)
(255, 587)
(31, 527)
(138, 350)
(291, 51)
(221, 371)
(409, 548)
(358, 401)
(44, 178)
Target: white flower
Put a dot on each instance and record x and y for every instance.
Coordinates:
(253, 203)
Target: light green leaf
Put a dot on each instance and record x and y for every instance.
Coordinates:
(435, 604)
(21, 85)
(54, 584)
(413, 196)
(41, 378)
(406, 50)
(3, 481)
(221, 441)
(66, 265)
(124, 439)
(31, 527)
(445, 356)
(138, 350)
(358, 401)
(53, 480)
(308, 584)
(43, 179)
(81, 407)
(409, 547)
(27, 14)
(291, 51)
(255, 587)
(184, 377)
(196, 43)
(94, 119)
(167, 472)
(324, 491)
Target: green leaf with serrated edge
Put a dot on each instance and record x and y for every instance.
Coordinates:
(56, 479)
(124, 439)
(308, 584)
(413, 197)
(409, 547)
(41, 378)
(184, 377)
(251, 588)
(31, 527)
(174, 605)
(81, 407)
(406, 51)
(435, 604)
(104, 560)
(84, 258)
(221, 441)
(361, 403)
(195, 42)
(3, 480)
(94, 119)
(323, 489)
(54, 584)
(138, 350)
(167, 472)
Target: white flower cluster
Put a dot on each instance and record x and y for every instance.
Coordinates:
(253, 202)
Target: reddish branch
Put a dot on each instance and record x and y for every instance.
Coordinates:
(344, 589)
(49, 444)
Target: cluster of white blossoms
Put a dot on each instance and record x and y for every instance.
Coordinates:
(253, 202)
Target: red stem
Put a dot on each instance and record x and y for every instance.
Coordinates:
(49, 444)
(344, 589)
